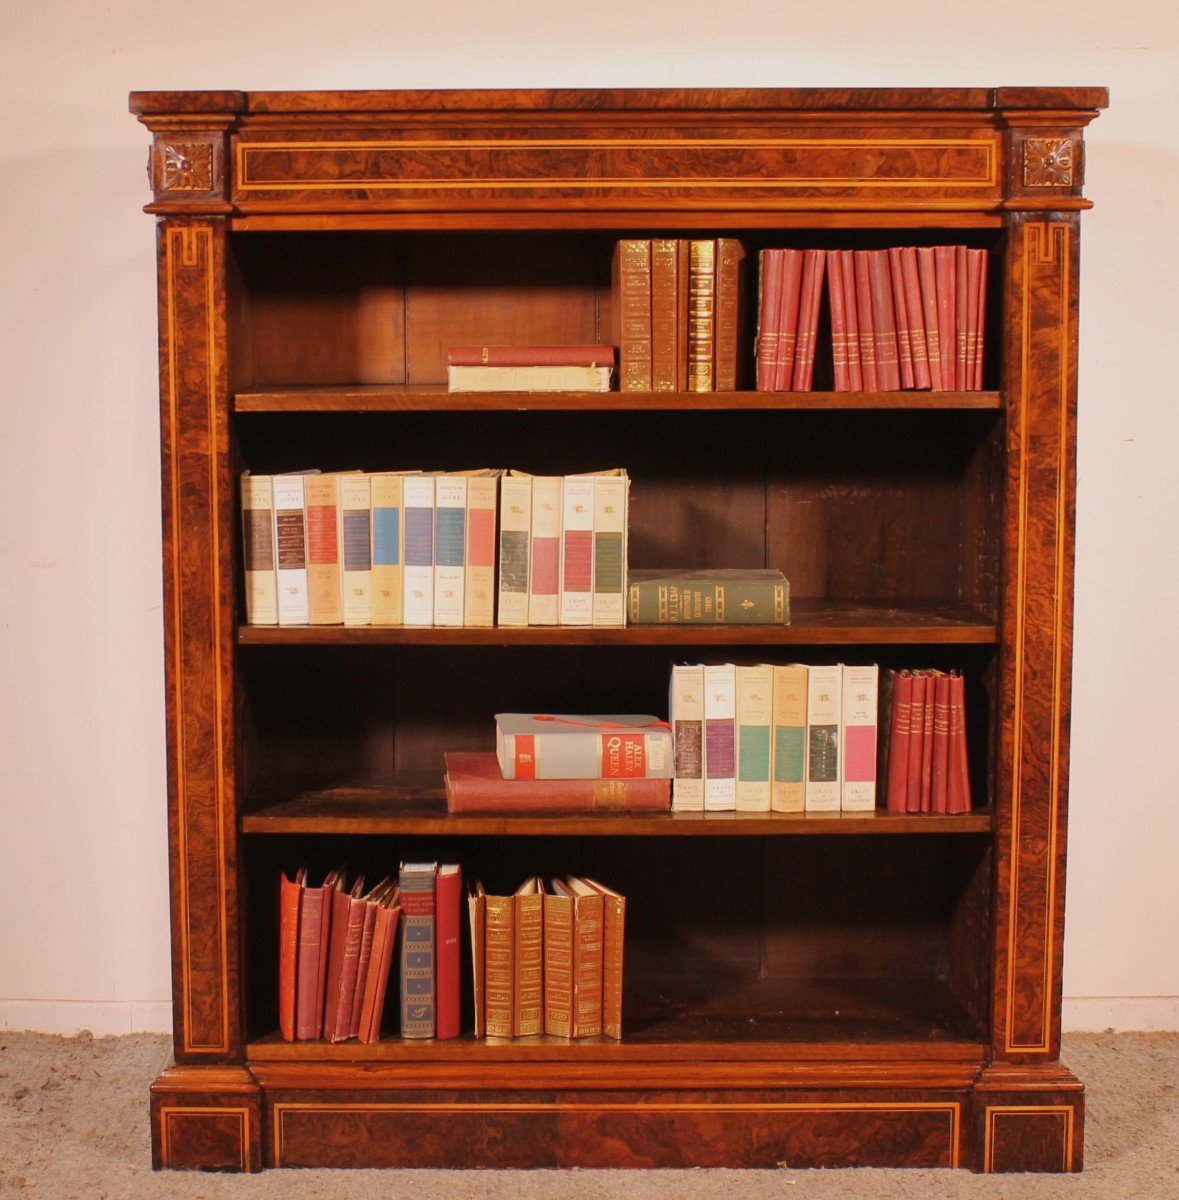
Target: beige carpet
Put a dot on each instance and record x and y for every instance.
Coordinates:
(73, 1126)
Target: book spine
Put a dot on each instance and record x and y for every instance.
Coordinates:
(863, 289)
(687, 722)
(258, 549)
(376, 987)
(611, 521)
(558, 965)
(515, 542)
(928, 279)
(916, 730)
(347, 927)
(544, 592)
(769, 302)
(356, 548)
(789, 303)
(477, 916)
(788, 789)
(958, 791)
(528, 379)
(465, 793)
(915, 311)
(528, 965)
(927, 741)
(418, 608)
(290, 891)
(961, 317)
(852, 319)
(388, 539)
(613, 945)
(823, 760)
(898, 742)
(941, 743)
(479, 597)
(704, 602)
(450, 544)
(901, 311)
(324, 588)
(632, 304)
(577, 551)
(664, 292)
(981, 321)
(839, 338)
(587, 966)
(308, 1015)
(530, 356)
(861, 687)
(701, 314)
(623, 753)
(755, 694)
(290, 543)
(730, 257)
(498, 972)
(808, 319)
(884, 323)
(417, 950)
(367, 935)
(449, 894)
(947, 291)
(720, 737)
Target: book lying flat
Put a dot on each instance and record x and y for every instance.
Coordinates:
(708, 597)
(528, 379)
(589, 746)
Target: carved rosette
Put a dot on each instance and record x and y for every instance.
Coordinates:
(1048, 162)
(187, 166)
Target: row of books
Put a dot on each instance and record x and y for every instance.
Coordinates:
(677, 313)
(548, 960)
(902, 317)
(529, 368)
(419, 548)
(926, 764)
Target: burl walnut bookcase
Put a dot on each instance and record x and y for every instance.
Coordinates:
(799, 990)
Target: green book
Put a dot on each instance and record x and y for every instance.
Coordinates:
(709, 597)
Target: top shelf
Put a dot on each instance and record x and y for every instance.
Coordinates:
(402, 398)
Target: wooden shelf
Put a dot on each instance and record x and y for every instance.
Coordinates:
(813, 622)
(395, 398)
(420, 808)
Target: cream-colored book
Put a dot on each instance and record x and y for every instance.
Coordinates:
(356, 574)
(788, 787)
(720, 738)
(482, 502)
(544, 580)
(687, 728)
(611, 533)
(858, 737)
(755, 693)
(823, 752)
(577, 551)
(324, 592)
(515, 545)
(258, 549)
(450, 548)
(418, 574)
(290, 546)
(388, 492)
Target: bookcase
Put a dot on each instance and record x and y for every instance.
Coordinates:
(862, 990)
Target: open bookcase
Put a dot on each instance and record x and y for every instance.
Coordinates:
(824, 990)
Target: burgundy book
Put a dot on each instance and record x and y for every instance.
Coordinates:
(768, 313)
(884, 322)
(958, 792)
(530, 356)
(931, 678)
(343, 961)
(898, 741)
(915, 312)
(314, 932)
(808, 319)
(916, 726)
(928, 279)
(847, 269)
(290, 891)
(941, 743)
(376, 985)
(980, 323)
(961, 317)
(448, 899)
(838, 304)
(864, 319)
(947, 291)
(973, 266)
(788, 305)
(474, 783)
(900, 306)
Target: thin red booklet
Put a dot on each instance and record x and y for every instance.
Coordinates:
(530, 356)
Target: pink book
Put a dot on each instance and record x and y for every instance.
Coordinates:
(838, 303)
(901, 309)
(768, 315)
(808, 319)
(980, 324)
(898, 741)
(884, 323)
(928, 280)
(958, 791)
(915, 311)
(864, 317)
(941, 743)
(916, 726)
(789, 301)
(961, 317)
(859, 720)
(973, 266)
(851, 319)
(947, 292)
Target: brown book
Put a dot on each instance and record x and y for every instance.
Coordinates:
(947, 292)
(897, 770)
(664, 302)
(847, 269)
(683, 257)
(900, 306)
(613, 943)
(789, 300)
(558, 960)
(588, 932)
(941, 743)
(701, 314)
(808, 319)
(864, 317)
(928, 280)
(376, 984)
(290, 891)
(916, 729)
(499, 948)
(631, 273)
(528, 959)
(915, 317)
(477, 915)
(769, 299)
(958, 789)
(838, 307)
(884, 322)
(730, 274)
(343, 960)
(315, 907)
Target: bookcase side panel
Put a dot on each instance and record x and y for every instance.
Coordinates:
(198, 507)
(1032, 782)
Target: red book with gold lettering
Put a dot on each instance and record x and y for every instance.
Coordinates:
(927, 274)
(315, 917)
(896, 797)
(961, 318)
(789, 301)
(863, 293)
(915, 311)
(973, 267)
(530, 356)
(941, 743)
(808, 319)
(884, 322)
(958, 790)
(981, 321)
(947, 292)
(916, 742)
(448, 896)
(376, 984)
(343, 961)
(847, 269)
(288, 950)
(839, 338)
(900, 306)
(768, 313)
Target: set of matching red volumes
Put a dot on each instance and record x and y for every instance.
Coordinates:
(927, 770)
(790, 286)
(335, 953)
(907, 317)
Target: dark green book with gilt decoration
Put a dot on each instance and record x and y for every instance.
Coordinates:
(708, 597)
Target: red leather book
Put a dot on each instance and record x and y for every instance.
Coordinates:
(343, 961)
(941, 743)
(376, 985)
(808, 319)
(372, 903)
(916, 728)
(768, 313)
(314, 933)
(961, 317)
(915, 312)
(900, 306)
(947, 292)
(864, 317)
(474, 783)
(847, 270)
(981, 321)
(288, 950)
(927, 741)
(788, 306)
(448, 898)
(898, 741)
(730, 275)
(928, 278)
(958, 792)
(530, 356)
(839, 340)
(973, 266)
(884, 322)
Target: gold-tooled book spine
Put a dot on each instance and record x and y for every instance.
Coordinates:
(497, 977)
(632, 313)
(730, 260)
(528, 966)
(701, 314)
(614, 919)
(587, 966)
(664, 292)
(558, 965)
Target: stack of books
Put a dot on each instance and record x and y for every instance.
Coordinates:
(790, 284)
(548, 960)
(774, 738)
(926, 766)
(529, 368)
(677, 314)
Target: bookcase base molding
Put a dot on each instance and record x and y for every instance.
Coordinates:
(880, 1114)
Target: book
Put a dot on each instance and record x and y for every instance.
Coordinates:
(376, 984)
(531, 356)
(372, 904)
(958, 786)
(477, 917)
(754, 710)
(588, 949)
(864, 320)
(290, 891)
(474, 783)
(321, 494)
(515, 543)
(347, 928)
(720, 738)
(588, 746)
(701, 314)
(356, 548)
(577, 551)
(939, 799)
(920, 687)
(928, 280)
(417, 975)
(387, 490)
(727, 336)
(788, 785)
(686, 714)
(448, 901)
(499, 942)
(961, 317)
(631, 299)
(290, 545)
(558, 960)
(418, 572)
(811, 291)
(315, 908)
(884, 321)
(613, 947)
(528, 959)
(528, 379)
(544, 584)
(665, 293)
(915, 312)
(708, 597)
(851, 318)
(931, 678)
(861, 686)
(789, 303)
(947, 291)
(482, 502)
(980, 325)
(769, 302)
(261, 583)
(839, 336)
(824, 752)
(900, 305)
(896, 789)
(450, 548)
(611, 531)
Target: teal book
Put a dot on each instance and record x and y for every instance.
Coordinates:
(708, 597)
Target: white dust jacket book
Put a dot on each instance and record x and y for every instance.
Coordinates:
(419, 550)
(687, 731)
(544, 588)
(577, 551)
(515, 548)
(611, 530)
(720, 738)
(258, 549)
(290, 543)
(355, 540)
(823, 757)
(861, 685)
(450, 548)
